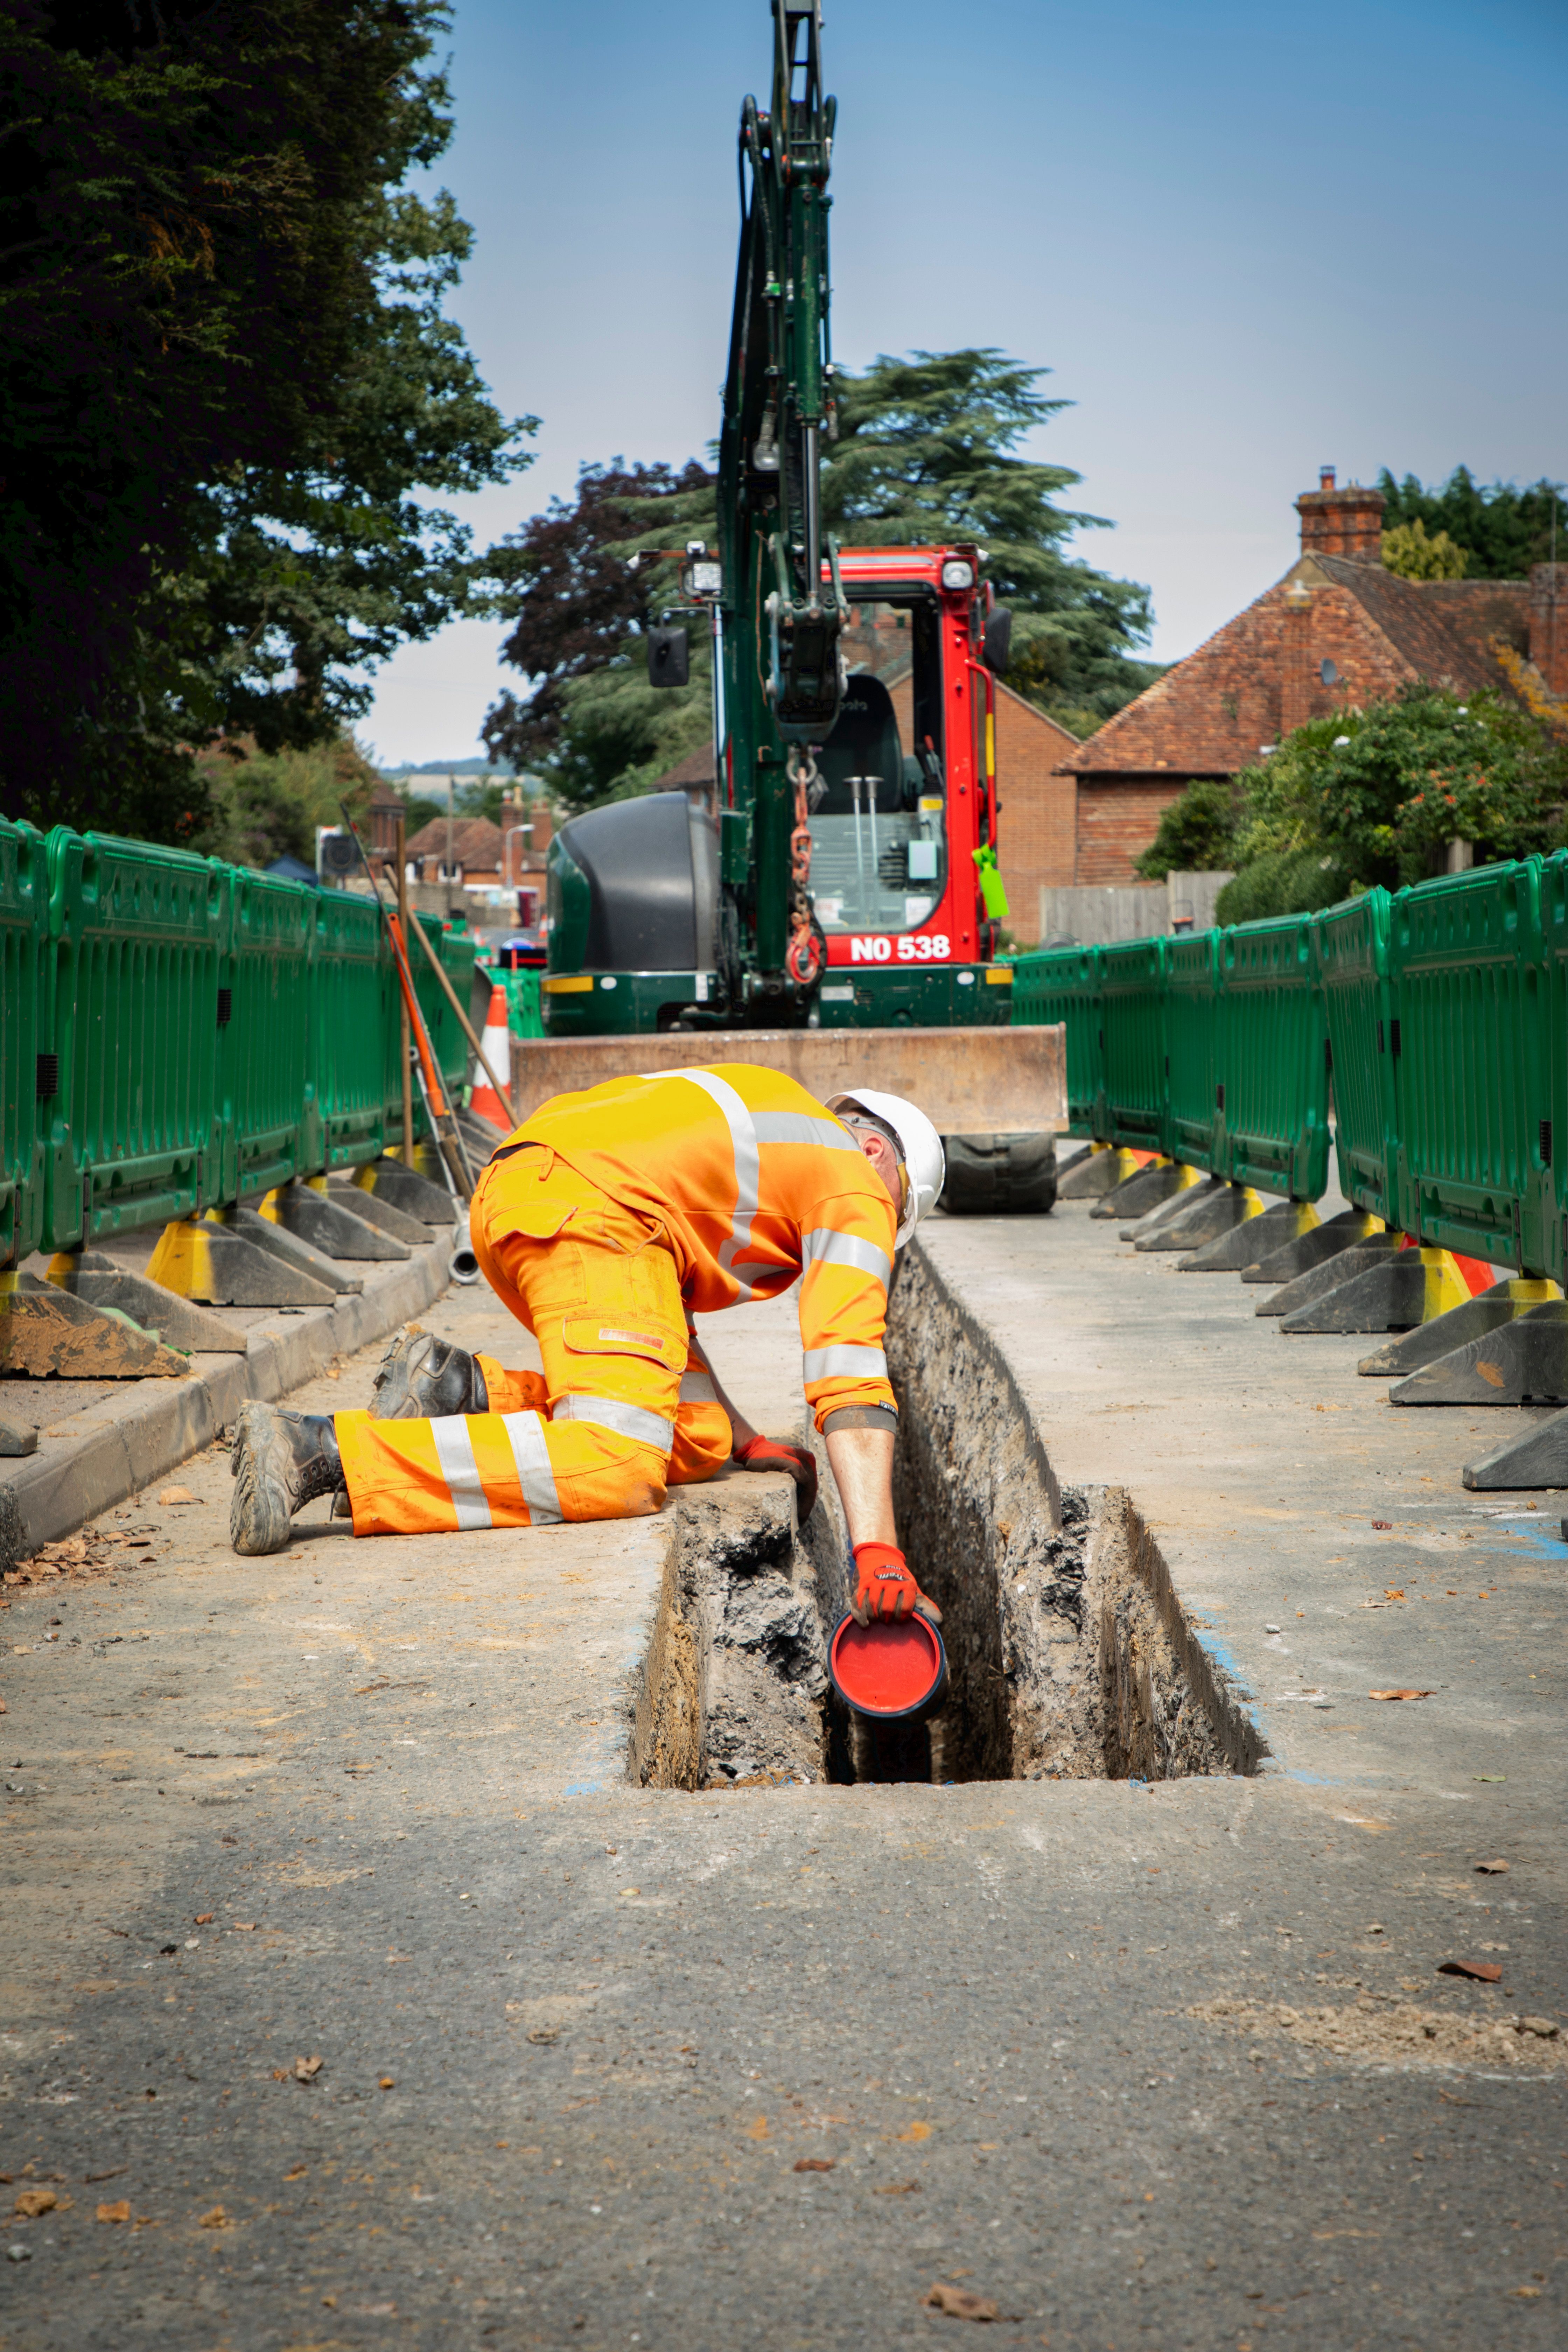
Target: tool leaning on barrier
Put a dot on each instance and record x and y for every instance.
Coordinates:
(609, 1221)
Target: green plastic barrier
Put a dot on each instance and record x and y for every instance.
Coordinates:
(1469, 1056)
(1271, 1091)
(1551, 1014)
(448, 1042)
(135, 935)
(522, 1013)
(1195, 1014)
(267, 1105)
(1062, 984)
(28, 1077)
(1135, 1104)
(1349, 957)
(355, 1033)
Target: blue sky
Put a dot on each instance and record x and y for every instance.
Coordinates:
(1247, 238)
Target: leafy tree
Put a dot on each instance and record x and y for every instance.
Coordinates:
(1501, 529)
(223, 374)
(1376, 796)
(1407, 551)
(579, 598)
(927, 452)
(261, 806)
(1197, 834)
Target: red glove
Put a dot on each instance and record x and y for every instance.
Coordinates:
(763, 1454)
(884, 1586)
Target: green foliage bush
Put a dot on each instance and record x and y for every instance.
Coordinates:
(1197, 834)
(1381, 791)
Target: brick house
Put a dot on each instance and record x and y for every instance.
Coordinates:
(483, 855)
(1338, 631)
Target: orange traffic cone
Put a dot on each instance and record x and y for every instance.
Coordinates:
(497, 1044)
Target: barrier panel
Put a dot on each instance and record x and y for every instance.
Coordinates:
(267, 1106)
(448, 1042)
(135, 935)
(1552, 1014)
(355, 1034)
(1271, 1088)
(1194, 1048)
(1062, 984)
(1135, 1103)
(1349, 957)
(28, 1076)
(1468, 1051)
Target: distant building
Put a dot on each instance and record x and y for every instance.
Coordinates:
(478, 853)
(1338, 631)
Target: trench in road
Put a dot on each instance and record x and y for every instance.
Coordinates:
(1071, 1656)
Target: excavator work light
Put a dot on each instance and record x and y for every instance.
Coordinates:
(957, 573)
(702, 577)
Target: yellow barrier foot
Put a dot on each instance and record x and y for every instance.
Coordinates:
(329, 1226)
(88, 1275)
(251, 1227)
(44, 1330)
(198, 1260)
(1508, 1345)
(1315, 1244)
(1258, 1229)
(1144, 1187)
(1399, 1290)
(389, 1179)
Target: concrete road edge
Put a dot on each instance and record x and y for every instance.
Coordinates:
(130, 1439)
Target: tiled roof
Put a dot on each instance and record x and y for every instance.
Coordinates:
(1212, 713)
(475, 843)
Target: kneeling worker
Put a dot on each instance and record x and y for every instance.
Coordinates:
(609, 1221)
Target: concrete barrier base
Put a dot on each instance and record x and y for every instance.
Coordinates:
(1252, 1235)
(1318, 1280)
(389, 1179)
(178, 1322)
(1310, 1248)
(1212, 1218)
(1404, 1288)
(45, 1330)
(1144, 1189)
(1506, 1353)
(226, 1268)
(1540, 1458)
(327, 1224)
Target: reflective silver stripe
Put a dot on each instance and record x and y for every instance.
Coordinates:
(748, 1165)
(696, 1387)
(455, 1453)
(793, 1127)
(831, 1248)
(846, 1363)
(525, 1431)
(627, 1420)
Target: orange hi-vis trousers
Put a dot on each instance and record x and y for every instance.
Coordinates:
(625, 1406)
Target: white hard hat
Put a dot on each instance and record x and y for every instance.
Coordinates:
(920, 1146)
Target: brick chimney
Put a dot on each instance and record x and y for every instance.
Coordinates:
(1549, 623)
(1341, 522)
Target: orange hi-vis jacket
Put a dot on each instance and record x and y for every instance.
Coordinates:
(754, 1183)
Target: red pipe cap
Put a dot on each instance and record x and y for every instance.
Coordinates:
(887, 1669)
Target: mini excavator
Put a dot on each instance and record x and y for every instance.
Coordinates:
(847, 878)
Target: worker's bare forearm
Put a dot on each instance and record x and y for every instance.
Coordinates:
(862, 1461)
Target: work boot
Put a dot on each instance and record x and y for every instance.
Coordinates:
(425, 1379)
(279, 1461)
